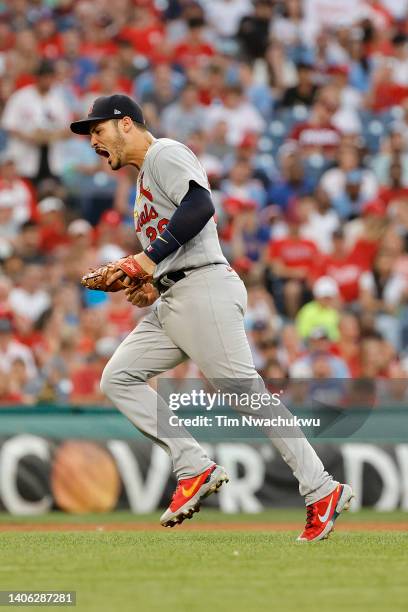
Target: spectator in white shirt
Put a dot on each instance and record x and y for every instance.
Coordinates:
(239, 115)
(397, 8)
(36, 119)
(225, 15)
(292, 28)
(30, 299)
(399, 63)
(321, 222)
(11, 350)
(15, 189)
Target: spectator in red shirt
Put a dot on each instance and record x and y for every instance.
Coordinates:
(194, 50)
(52, 224)
(49, 39)
(145, 32)
(213, 85)
(25, 58)
(104, 82)
(291, 261)
(98, 41)
(85, 383)
(385, 92)
(318, 134)
(345, 266)
(86, 378)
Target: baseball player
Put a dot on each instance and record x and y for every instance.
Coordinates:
(199, 305)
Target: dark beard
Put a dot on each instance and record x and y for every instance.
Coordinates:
(117, 165)
(118, 148)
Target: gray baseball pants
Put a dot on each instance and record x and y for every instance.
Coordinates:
(201, 318)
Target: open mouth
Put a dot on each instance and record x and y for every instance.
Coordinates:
(102, 152)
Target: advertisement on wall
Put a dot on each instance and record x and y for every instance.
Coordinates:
(39, 474)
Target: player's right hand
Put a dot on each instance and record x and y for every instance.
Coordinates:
(142, 296)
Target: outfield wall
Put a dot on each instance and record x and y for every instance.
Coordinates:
(92, 459)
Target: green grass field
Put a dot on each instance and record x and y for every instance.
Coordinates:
(232, 570)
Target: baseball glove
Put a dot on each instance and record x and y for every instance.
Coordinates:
(133, 275)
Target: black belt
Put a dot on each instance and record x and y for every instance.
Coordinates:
(171, 278)
(168, 280)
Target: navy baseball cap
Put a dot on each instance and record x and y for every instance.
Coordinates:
(109, 107)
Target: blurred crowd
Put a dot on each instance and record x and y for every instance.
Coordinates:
(298, 111)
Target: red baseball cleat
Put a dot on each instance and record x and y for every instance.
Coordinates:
(190, 492)
(322, 514)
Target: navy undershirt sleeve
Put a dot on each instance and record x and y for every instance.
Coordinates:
(193, 213)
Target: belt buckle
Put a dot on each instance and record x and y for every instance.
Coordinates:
(166, 281)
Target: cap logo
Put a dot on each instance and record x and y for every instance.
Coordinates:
(91, 108)
(117, 112)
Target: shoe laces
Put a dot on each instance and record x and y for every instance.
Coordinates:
(310, 514)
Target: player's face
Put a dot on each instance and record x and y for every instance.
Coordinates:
(108, 142)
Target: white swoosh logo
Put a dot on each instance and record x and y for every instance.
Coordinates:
(325, 516)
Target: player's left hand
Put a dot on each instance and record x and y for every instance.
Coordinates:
(142, 296)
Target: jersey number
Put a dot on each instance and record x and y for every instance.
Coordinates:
(151, 232)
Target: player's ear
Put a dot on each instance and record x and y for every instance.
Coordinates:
(127, 124)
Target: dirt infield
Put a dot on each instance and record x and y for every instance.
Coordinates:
(42, 527)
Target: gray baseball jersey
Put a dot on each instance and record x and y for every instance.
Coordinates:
(163, 181)
(201, 318)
